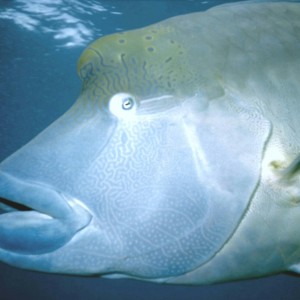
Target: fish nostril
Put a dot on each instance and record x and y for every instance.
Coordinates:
(8, 205)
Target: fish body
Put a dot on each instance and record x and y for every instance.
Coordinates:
(179, 161)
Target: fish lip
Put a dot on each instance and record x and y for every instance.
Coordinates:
(34, 196)
(48, 219)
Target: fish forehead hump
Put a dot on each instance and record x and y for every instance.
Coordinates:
(200, 52)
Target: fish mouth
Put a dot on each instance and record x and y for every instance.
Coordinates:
(36, 218)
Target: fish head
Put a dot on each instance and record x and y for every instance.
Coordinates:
(145, 175)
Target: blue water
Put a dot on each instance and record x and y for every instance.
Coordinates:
(40, 42)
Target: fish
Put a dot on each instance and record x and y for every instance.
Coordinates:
(178, 163)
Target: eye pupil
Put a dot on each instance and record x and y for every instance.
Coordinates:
(127, 103)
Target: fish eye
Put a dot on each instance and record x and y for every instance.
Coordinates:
(127, 103)
(120, 104)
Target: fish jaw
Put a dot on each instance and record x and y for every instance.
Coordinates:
(37, 219)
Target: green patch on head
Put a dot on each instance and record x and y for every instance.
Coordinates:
(147, 63)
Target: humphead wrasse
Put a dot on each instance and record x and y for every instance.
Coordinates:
(178, 163)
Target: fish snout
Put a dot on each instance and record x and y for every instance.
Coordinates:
(35, 218)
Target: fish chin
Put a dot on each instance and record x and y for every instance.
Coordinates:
(35, 218)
